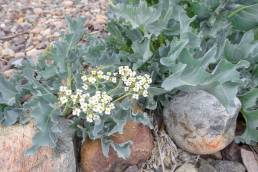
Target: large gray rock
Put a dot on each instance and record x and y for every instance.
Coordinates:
(15, 140)
(199, 123)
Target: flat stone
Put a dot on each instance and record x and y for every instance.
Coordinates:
(15, 140)
(249, 160)
(34, 54)
(187, 168)
(199, 123)
(67, 3)
(8, 52)
(93, 160)
(20, 54)
(38, 11)
(132, 169)
(228, 166)
(101, 19)
(206, 167)
(46, 32)
(9, 73)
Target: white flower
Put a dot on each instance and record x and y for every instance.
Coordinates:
(68, 92)
(74, 98)
(106, 77)
(78, 92)
(136, 89)
(146, 86)
(77, 111)
(135, 96)
(93, 72)
(126, 88)
(84, 78)
(85, 87)
(107, 111)
(92, 80)
(127, 83)
(100, 74)
(133, 74)
(62, 88)
(82, 100)
(63, 100)
(145, 93)
(89, 117)
(113, 79)
(84, 107)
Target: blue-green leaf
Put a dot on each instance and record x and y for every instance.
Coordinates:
(245, 17)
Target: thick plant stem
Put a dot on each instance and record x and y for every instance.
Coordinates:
(68, 110)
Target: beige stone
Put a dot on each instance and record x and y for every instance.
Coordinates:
(187, 168)
(38, 11)
(15, 140)
(101, 19)
(67, 3)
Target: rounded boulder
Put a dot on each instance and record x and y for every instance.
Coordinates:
(199, 123)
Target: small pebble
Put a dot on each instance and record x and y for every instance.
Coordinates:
(38, 11)
(67, 3)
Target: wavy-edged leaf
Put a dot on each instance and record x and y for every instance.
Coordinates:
(138, 15)
(152, 19)
(123, 150)
(46, 119)
(245, 17)
(222, 82)
(7, 92)
(250, 114)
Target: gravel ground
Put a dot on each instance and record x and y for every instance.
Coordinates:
(27, 27)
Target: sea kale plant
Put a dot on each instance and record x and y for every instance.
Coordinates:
(153, 49)
(105, 102)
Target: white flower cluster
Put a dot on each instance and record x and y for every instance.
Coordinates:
(137, 85)
(93, 106)
(100, 103)
(98, 75)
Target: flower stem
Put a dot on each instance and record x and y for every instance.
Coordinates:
(122, 97)
(118, 85)
(67, 109)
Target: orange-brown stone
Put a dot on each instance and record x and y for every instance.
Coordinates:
(93, 160)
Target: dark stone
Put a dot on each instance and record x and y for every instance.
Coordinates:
(232, 152)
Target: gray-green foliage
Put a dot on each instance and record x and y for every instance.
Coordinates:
(10, 103)
(209, 45)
